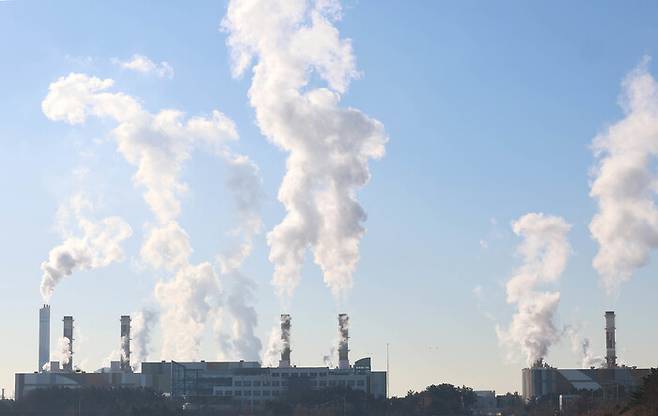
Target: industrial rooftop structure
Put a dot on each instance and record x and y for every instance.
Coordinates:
(233, 384)
(612, 382)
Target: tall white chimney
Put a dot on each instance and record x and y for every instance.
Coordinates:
(610, 342)
(68, 334)
(44, 336)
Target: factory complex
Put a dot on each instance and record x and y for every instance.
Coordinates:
(243, 384)
(563, 386)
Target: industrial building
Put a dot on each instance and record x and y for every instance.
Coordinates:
(234, 384)
(613, 382)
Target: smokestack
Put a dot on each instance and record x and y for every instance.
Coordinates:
(68, 335)
(285, 341)
(125, 343)
(44, 336)
(610, 343)
(343, 348)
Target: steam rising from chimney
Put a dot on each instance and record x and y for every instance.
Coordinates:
(285, 341)
(66, 345)
(589, 360)
(244, 184)
(142, 325)
(343, 341)
(624, 183)
(158, 145)
(544, 251)
(610, 341)
(97, 244)
(125, 343)
(329, 146)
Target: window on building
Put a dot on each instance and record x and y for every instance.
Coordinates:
(275, 374)
(228, 393)
(332, 382)
(256, 383)
(275, 393)
(266, 383)
(275, 383)
(238, 393)
(360, 382)
(323, 374)
(304, 375)
(247, 383)
(323, 383)
(284, 383)
(284, 374)
(314, 374)
(350, 382)
(237, 383)
(266, 393)
(257, 393)
(341, 382)
(247, 392)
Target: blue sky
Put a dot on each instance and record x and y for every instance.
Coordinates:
(490, 110)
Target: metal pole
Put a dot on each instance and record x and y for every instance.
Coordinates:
(388, 373)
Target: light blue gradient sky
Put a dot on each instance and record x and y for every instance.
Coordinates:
(490, 109)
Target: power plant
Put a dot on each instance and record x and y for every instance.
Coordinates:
(233, 384)
(611, 382)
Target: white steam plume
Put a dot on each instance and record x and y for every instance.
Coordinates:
(625, 183)
(157, 145)
(141, 328)
(589, 360)
(88, 244)
(274, 347)
(329, 147)
(63, 351)
(581, 346)
(244, 184)
(544, 251)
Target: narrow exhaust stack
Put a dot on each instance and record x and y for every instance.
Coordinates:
(285, 341)
(125, 343)
(44, 337)
(343, 347)
(68, 335)
(610, 342)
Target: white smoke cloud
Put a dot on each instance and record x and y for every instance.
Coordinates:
(158, 145)
(87, 245)
(329, 146)
(625, 183)
(544, 252)
(141, 329)
(186, 300)
(588, 358)
(272, 353)
(331, 358)
(63, 351)
(143, 64)
(580, 345)
(244, 184)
